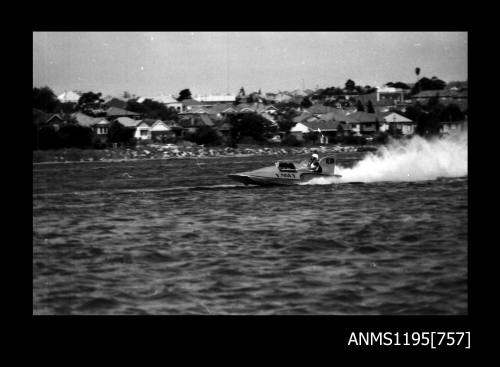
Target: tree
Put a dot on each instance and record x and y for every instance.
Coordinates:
(67, 107)
(452, 113)
(249, 124)
(126, 95)
(428, 84)
(152, 109)
(118, 133)
(369, 107)
(285, 120)
(306, 103)
(291, 140)
(359, 106)
(241, 92)
(73, 135)
(350, 85)
(184, 94)
(44, 99)
(401, 85)
(90, 101)
(427, 117)
(205, 135)
(417, 72)
(48, 138)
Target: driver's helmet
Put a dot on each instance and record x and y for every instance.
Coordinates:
(315, 156)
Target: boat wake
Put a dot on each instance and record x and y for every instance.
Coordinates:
(416, 159)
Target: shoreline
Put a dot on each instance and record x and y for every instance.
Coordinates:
(159, 152)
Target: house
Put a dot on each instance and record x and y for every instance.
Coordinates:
(155, 129)
(318, 109)
(195, 110)
(282, 97)
(143, 129)
(326, 129)
(270, 97)
(446, 97)
(334, 115)
(189, 103)
(361, 122)
(224, 128)
(447, 127)
(115, 112)
(383, 94)
(100, 125)
(193, 122)
(218, 111)
(169, 101)
(161, 130)
(400, 122)
(304, 116)
(128, 122)
(68, 97)
(215, 99)
(384, 106)
(56, 121)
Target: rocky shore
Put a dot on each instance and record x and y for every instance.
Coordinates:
(171, 151)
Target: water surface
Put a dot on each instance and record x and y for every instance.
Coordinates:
(178, 237)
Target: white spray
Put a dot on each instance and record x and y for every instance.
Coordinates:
(415, 159)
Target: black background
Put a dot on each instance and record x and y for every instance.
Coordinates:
(297, 338)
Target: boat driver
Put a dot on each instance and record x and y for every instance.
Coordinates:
(314, 163)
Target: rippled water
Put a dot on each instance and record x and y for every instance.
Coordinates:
(178, 237)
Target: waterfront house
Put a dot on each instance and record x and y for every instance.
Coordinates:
(362, 123)
(128, 122)
(56, 120)
(446, 97)
(193, 122)
(325, 129)
(99, 125)
(447, 127)
(401, 123)
(155, 129)
(161, 130)
(223, 127)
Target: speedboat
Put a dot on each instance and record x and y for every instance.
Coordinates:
(287, 173)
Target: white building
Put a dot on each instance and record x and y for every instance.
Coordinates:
(220, 98)
(402, 123)
(68, 97)
(168, 100)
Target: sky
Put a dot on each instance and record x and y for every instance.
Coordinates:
(158, 63)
